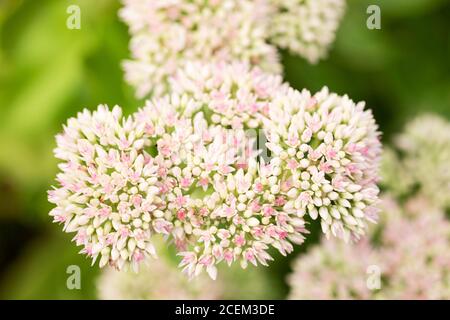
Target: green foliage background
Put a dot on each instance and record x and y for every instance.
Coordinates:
(48, 73)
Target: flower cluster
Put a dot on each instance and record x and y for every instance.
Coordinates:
(422, 160)
(236, 95)
(332, 271)
(328, 149)
(409, 253)
(306, 27)
(160, 279)
(167, 34)
(108, 188)
(156, 280)
(194, 166)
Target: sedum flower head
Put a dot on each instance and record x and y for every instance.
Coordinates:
(332, 270)
(392, 169)
(226, 167)
(327, 150)
(416, 257)
(167, 34)
(410, 250)
(306, 27)
(157, 279)
(161, 279)
(154, 281)
(106, 191)
(424, 149)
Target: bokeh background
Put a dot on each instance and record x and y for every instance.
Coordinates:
(48, 73)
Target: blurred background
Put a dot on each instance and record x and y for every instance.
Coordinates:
(48, 73)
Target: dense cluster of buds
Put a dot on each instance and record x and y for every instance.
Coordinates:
(161, 279)
(166, 35)
(328, 149)
(419, 160)
(107, 187)
(407, 252)
(157, 280)
(194, 166)
(306, 27)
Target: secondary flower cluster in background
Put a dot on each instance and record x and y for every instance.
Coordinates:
(419, 161)
(160, 279)
(168, 34)
(409, 249)
(305, 27)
